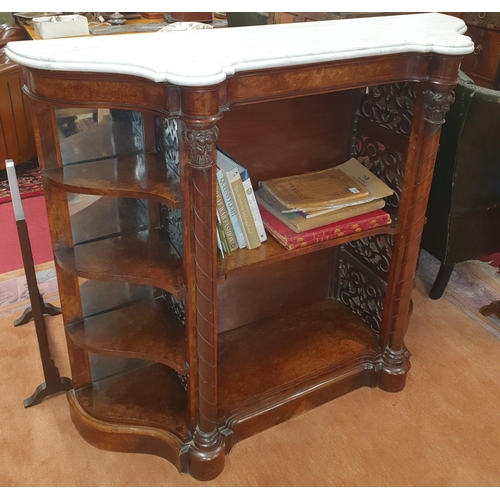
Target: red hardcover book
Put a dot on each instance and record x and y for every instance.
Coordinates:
(290, 240)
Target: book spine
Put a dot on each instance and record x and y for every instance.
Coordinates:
(231, 209)
(252, 202)
(225, 221)
(319, 236)
(243, 209)
(300, 240)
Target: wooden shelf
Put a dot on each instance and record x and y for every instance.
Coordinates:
(149, 396)
(115, 215)
(145, 258)
(271, 251)
(146, 329)
(264, 358)
(138, 176)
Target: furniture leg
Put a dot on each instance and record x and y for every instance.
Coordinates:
(493, 308)
(207, 451)
(442, 279)
(428, 118)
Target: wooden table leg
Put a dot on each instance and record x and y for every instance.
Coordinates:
(491, 309)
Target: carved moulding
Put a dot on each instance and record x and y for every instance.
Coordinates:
(390, 106)
(200, 145)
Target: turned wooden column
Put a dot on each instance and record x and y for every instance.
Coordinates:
(200, 113)
(434, 102)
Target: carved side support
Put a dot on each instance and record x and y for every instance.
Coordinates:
(433, 107)
(207, 450)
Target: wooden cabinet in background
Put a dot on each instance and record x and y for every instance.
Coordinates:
(483, 65)
(17, 142)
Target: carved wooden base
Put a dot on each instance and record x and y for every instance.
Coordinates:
(395, 367)
(203, 457)
(127, 438)
(207, 456)
(273, 409)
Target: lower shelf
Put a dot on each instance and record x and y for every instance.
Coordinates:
(145, 329)
(265, 359)
(149, 396)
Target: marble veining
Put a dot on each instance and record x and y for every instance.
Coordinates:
(207, 57)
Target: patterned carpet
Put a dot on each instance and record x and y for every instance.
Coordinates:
(30, 182)
(14, 296)
(473, 284)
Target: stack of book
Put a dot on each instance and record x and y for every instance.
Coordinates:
(317, 206)
(239, 222)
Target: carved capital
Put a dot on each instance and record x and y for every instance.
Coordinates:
(436, 105)
(200, 146)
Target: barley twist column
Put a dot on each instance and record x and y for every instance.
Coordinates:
(199, 135)
(395, 359)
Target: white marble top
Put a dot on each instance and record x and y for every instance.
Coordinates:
(207, 57)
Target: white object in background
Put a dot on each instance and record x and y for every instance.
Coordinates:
(61, 26)
(185, 26)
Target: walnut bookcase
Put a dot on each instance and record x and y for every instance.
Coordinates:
(175, 351)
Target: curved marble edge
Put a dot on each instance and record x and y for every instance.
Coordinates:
(208, 57)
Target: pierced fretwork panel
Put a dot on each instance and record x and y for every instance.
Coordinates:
(385, 163)
(375, 252)
(362, 294)
(184, 379)
(167, 141)
(178, 306)
(137, 130)
(171, 224)
(391, 106)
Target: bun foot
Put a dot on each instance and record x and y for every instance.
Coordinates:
(206, 462)
(395, 367)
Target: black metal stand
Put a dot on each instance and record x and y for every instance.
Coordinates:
(54, 383)
(27, 315)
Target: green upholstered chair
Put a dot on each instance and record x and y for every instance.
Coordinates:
(463, 215)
